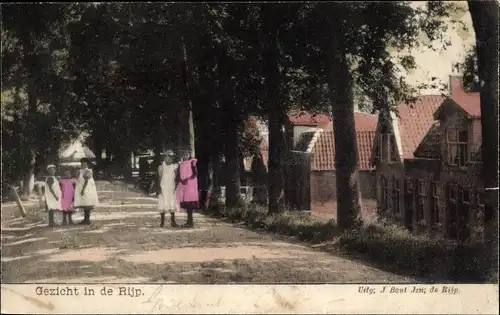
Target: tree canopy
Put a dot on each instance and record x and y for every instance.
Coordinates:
(129, 72)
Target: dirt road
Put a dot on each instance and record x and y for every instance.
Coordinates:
(126, 244)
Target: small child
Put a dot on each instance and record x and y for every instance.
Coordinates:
(168, 180)
(188, 187)
(52, 194)
(85, 191)
(67, 185)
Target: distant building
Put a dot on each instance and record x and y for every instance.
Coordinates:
(310, 170)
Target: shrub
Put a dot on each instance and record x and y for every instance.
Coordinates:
(388, 246)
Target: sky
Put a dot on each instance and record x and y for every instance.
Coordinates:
(439, 63)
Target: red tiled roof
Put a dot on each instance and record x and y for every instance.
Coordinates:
(415, 121)
(362, 121)
(324, 151)
(468, 101)
(304, 118)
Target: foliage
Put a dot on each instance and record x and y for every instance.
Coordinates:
(380, 40)
(470, 70)
(120, 70)
(34, 67)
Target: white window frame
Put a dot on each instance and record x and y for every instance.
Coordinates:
(459, 146)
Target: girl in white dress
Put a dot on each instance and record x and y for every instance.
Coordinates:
(85, 191)
(52, 194)
(168, 178)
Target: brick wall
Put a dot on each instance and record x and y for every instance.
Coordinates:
(324, 186)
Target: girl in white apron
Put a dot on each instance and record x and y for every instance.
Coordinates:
(85, 191)
(168, 180)
(52, 194)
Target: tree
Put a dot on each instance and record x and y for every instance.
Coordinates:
(485, 22)
(271, 55)
(34, 57)
(353, 53)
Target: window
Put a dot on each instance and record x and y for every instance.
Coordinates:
(465, 200)
(385, 192)
(409, 186)
(420, 196)
(452, 205)
(304, 141)
(387, 154)
(457, 141)
(436, 203)
(453, 194)
(395, 195)
(464, 213)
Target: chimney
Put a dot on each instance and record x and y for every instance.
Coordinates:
(456, 76)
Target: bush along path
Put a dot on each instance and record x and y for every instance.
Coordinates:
(126, 244)
(381, 245)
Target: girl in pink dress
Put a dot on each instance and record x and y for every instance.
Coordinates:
(67, 185)
(187, 191)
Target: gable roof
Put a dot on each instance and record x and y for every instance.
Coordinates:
(362, 122)
(415, 121)
(324, 148)
(305, 118)
(323, 158)
(430, 146)
(468, 102)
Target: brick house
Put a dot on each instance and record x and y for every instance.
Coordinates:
(323, 181)
(428, 162)
(315, 147)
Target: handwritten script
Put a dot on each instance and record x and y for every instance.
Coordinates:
(156, 301)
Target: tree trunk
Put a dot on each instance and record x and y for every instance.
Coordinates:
(216, 176)
(202, 131)
(346, 162)
(97, 147)
(485, 22)
(275, 110)
(233, 184)
(31, 136)
(19, 203)
(159, 141)
(31, 66)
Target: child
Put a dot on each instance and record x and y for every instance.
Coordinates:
(67, 185)
(168, 180)
(188, 188)
(85, 191)
(52, 194)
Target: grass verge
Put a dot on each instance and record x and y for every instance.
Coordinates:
(384, 246)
